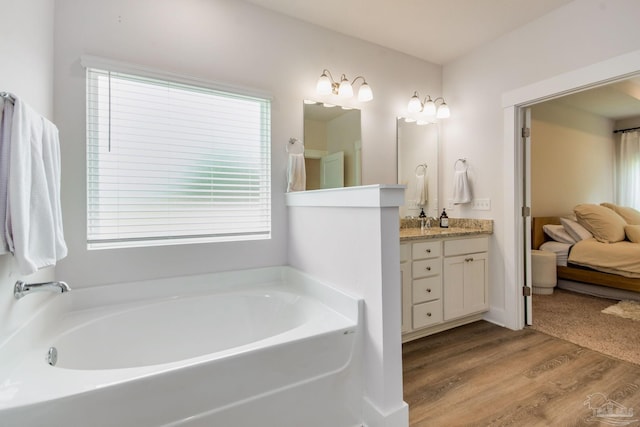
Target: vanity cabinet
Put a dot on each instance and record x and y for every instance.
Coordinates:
(465, 269)
(444, 284)
(405, 281)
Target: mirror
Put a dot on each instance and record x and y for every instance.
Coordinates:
(418, 167)
(332, 146)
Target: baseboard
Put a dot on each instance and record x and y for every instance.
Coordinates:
(373, 417)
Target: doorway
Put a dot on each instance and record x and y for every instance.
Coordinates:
(515, 103)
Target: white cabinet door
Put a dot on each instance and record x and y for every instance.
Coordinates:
(332, 170)
(465, 285)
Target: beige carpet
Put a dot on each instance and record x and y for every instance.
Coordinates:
(579, 319)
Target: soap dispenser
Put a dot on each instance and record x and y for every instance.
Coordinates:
(444, 219)
(423, 218)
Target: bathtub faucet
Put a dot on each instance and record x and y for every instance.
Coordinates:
(21, 288)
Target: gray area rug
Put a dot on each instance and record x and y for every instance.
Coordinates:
(579, 319)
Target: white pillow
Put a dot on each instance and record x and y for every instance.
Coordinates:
(575, 230)
(558, 233)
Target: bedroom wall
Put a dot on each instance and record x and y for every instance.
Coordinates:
(572, 155)
(632, 122)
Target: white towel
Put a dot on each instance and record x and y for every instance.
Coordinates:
(6, 117)
(34, 218)
(421, 190)
(461, 189)
(296, 172)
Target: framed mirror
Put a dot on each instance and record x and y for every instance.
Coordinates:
(418, 167)
(332, 146)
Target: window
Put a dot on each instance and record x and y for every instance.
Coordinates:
(169, 163)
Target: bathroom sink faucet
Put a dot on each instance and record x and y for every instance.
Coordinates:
(21, 288)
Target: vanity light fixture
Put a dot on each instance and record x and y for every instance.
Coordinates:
(429, 106)
(327, 86)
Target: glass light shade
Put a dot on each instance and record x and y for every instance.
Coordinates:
(345, 89)
(430, 108)
(443, 112)
(415, 105)
(364, 93)
(324, 85)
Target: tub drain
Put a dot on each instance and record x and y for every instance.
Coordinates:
(52, 356)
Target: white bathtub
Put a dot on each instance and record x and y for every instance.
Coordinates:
(268, 347)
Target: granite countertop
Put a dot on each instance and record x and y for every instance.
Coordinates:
(458, 227)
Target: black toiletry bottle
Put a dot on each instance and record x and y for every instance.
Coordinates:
(444, 219)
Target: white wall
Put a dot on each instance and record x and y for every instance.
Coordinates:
(350, 238)
(581, 33)
(572, 158)
(235, 43)
(26, 49)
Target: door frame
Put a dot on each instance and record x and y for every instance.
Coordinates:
(513, 102)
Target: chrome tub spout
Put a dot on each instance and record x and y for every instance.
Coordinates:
(21, 288)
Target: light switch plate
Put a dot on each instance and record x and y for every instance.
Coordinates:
(481, 204)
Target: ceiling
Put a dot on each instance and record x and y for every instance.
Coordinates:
(437, 31)
(616, 101)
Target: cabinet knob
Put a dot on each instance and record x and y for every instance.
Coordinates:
(428, 290)
(469, 259)
(428, 314)
(428, 268)
(428, 251)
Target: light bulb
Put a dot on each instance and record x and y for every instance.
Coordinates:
(324, 85)
(429, 108)
(345, 89)
(415, 105)
(364, 93)
(443, 111)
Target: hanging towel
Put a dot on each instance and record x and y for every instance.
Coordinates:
(6, 117)
(34, 218)
(296, 172)
(461, 189)
(421, 189)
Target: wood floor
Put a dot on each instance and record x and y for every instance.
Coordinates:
(484, 375)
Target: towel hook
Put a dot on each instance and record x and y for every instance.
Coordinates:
(464, 164)
(424, 169)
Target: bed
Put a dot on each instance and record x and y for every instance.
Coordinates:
(579, 263)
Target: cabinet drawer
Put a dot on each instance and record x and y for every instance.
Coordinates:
(426, 268)
(466, 246)
(427, 289)
(427, 313)
(405, 252)
(424, 250)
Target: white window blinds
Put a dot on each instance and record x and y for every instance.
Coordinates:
(174, 163)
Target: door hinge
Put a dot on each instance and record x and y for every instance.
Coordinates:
(526, 132)
(526, 211)
(526, 291)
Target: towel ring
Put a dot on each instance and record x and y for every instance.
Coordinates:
(295, 146)
(464, 164)
(424, 169)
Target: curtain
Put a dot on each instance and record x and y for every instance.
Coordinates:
(628, 170)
